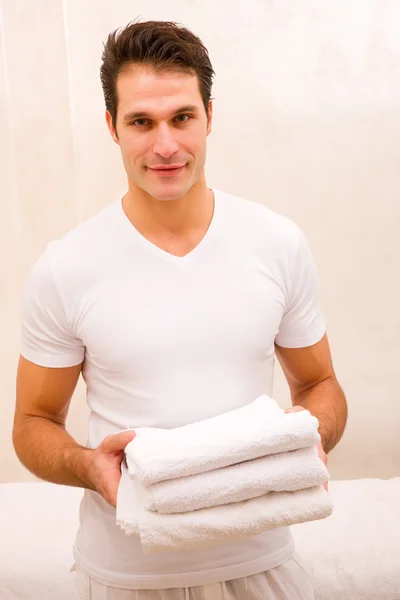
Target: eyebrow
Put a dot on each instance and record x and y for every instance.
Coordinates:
(145, 115)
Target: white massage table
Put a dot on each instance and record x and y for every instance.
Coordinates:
(352, 555)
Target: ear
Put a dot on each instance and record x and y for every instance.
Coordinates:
(210, 112)
(111, 127)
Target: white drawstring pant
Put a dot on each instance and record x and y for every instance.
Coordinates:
(289, 581)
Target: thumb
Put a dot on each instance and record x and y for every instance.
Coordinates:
(118, 441)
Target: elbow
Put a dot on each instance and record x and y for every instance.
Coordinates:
(16, 437)
(19, 436)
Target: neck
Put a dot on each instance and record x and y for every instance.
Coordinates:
(170, 217)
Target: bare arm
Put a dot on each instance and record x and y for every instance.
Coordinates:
(40, 440)
(313, 385)
(42, 443)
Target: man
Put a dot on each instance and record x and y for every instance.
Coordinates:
(172, 303)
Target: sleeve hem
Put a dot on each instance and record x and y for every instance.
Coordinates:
(43, 360)
(305, 341)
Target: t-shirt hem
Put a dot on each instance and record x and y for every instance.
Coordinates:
(189, 579)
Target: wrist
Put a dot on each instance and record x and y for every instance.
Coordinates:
(86, 463)
(78, 460)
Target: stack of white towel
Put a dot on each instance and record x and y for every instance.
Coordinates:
(222, 479)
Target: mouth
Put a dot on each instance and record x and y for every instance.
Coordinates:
(168, 171)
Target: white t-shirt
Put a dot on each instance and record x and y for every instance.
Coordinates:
(166, 341)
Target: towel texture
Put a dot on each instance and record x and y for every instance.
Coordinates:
(258, 429)
(283, 472)
(220, 524)
(222, 479)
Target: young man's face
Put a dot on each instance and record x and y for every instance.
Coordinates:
(161, 122)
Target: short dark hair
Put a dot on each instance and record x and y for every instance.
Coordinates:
(161, 45)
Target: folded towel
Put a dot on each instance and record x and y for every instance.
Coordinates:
(286, 471)
(257, 429)
(216, 525)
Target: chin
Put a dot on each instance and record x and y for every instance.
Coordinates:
(164, 194)
(167, 197)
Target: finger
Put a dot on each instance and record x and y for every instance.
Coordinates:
(111, 498)
(296, 408)
(118, 441)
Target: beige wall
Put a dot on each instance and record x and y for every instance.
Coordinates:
(307, 121)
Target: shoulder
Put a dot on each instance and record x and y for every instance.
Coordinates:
(89, 236)
(74, 255)
(257, 222)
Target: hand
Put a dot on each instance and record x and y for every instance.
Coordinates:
(321, 453)
(104, 468)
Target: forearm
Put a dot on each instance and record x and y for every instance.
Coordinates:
(327, 402)
(50, 453)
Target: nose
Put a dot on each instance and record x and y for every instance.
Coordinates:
(165, 145)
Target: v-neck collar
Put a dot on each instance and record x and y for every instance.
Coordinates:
(163, 254)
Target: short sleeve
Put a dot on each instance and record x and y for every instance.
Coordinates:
(46, 336)
(302, 323)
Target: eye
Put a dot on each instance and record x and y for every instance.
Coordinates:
(182, 118)
(140, 122)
